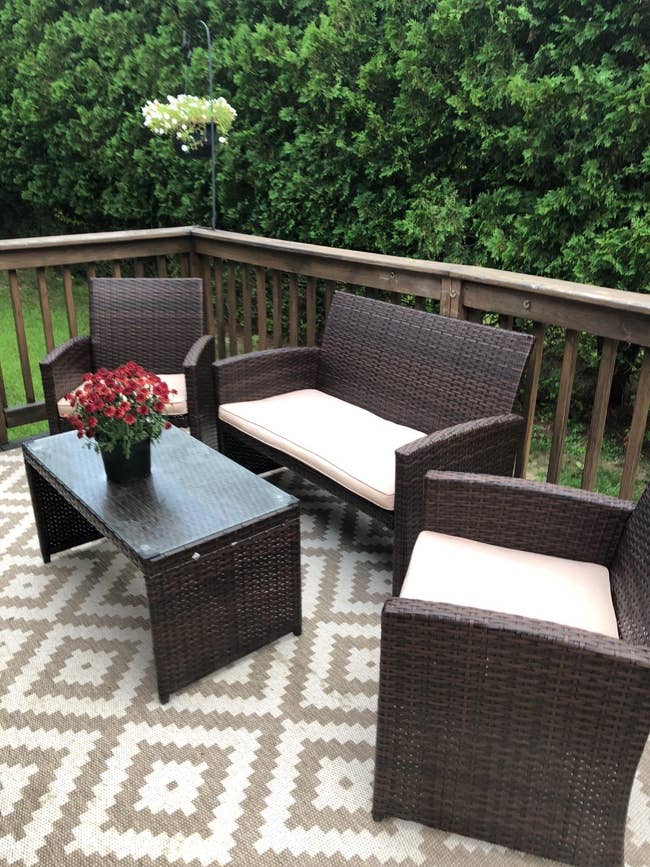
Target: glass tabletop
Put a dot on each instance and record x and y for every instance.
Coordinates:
(193, 494)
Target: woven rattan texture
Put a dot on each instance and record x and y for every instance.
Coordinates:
(530, 516)
(233, 599)
(361, 337)
(513, 730)
(197, 367)
(630, 575)
(268, 762)
(155, 322)
(485, 445)
(60, 526)
(214, 591)
(151, 321)
(262, 374)
(418, 369)
(61, 371)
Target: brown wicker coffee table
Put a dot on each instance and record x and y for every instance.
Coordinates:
(219, 547)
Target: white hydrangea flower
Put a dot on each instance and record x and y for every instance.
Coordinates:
(186, 116)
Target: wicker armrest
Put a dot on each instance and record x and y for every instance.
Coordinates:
(487, 445)
(530, 516)
(263, 374)
(62, 370)
(201, 406)
(435, 616)
(485, 720)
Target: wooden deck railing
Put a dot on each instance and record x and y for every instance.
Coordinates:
(262, 292)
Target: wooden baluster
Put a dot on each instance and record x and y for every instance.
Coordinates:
(563, 405)
(221, 331)
(161, 265)
(293, 310)
(91, 271)
(138, 268)
(637, 430)
(277, 309)
(506, 322)
(260, 287)
(232, 310)
(206, 278)
(69, 302)
(419, 302)
(195, 265)
(186, 265)
(117, 269)
(4, 438)
(310, 311)
(530, 398)
(21, 338)
(330, 287)
(599, 413)
(451, 301)
(247, 308)
(46, 316)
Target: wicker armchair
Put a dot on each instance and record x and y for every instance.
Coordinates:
(519, 731)
(155, 322)
(453, 382)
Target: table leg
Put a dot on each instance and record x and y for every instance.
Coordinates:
(58, 523)
(213, 609)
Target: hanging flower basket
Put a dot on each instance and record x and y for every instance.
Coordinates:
(187, 119)
(200, 147)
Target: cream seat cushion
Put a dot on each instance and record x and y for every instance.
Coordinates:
(177, 402)
(343, 442)
(464, 572)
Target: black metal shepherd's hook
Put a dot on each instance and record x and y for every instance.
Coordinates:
(186, 46)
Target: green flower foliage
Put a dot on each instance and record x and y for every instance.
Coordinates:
(511, 134)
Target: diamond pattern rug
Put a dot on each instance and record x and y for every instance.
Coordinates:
(267, 762)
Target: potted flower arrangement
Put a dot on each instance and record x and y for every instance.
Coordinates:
(188, 120)
(121, 413)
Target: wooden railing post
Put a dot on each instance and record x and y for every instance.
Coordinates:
(451, 298)
(247, 309)
(637, 429)
(530, 398)
(277, 309)
(205, 268)
(293, 310)
(69, 302)
(260, 290)
(219, 308)
(232, 310)
(46, 316)
(599, 413)
(464, 291)
(563, 403)
(21, 337)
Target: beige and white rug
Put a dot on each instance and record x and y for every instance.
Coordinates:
(267, 762)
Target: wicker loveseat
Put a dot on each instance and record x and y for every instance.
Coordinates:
(514, 696)
(391, 393)
(157, 322)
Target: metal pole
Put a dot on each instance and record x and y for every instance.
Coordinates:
(213, 169)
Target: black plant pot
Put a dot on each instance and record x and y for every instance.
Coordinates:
(121, 469)
(201, 147)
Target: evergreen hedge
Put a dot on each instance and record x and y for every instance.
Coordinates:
(508, 134)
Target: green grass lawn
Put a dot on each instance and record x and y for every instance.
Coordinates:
(612, 455)
(611, 460)
(9, 360)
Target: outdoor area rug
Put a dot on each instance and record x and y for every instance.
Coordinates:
(268, 761)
